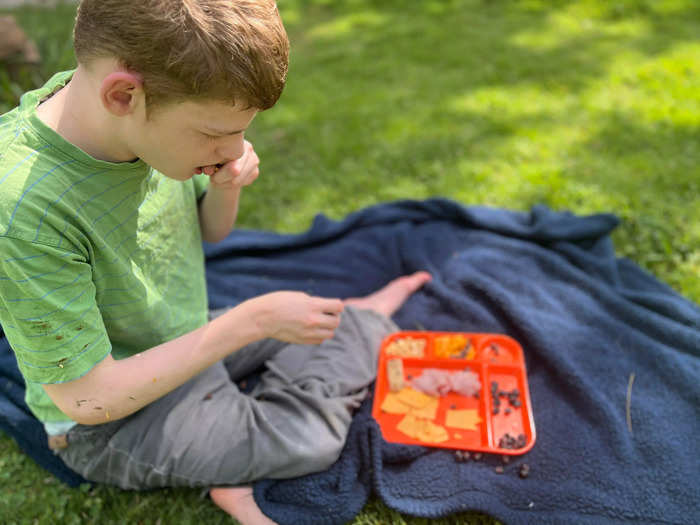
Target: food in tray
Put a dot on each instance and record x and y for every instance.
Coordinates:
(427, 393)
(465, 419)
(394, 374)
(422, 429)
(453, 346)
(511, 442)
(496, 395)
(406, 347)
(410, 401)
(439, 382)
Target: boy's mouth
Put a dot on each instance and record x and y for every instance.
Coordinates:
(209, 169)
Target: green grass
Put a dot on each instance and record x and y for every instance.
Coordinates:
(590, 106)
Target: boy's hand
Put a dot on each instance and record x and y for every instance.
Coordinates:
(297, 317)
(236, 173)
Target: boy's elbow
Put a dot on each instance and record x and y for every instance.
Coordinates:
(89, 414)
(90, 419)
(214, 237)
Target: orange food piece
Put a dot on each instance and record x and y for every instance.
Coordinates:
(392, 405)
(466, 419)
(447, 346)
(414, 398)
(422, 429)
(429, 411)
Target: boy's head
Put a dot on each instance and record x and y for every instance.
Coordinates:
(231, 51)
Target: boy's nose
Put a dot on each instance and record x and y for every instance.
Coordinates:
(232, 149)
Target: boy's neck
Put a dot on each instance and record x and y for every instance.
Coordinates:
(75, 112)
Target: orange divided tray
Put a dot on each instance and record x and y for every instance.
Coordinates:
(495, 358)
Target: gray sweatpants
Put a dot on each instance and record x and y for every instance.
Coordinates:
(207, 433)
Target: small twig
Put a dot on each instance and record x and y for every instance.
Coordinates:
(629, 402)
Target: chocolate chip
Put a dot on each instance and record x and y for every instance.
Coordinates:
(459, 456)
(465, 455)
(477, 456)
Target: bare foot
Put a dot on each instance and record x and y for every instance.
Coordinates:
(390, 298)
(239, 503)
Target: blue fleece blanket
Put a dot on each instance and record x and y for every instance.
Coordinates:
(587, 321)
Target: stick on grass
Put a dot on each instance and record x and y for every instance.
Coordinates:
(629, 402)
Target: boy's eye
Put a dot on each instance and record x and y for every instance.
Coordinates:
(219, 136)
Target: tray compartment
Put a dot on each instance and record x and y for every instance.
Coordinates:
(458, 438)
(499, 350)
(400, 338)
(511, 420)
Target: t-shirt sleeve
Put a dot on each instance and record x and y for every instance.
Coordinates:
(49, 312)
(201, 183)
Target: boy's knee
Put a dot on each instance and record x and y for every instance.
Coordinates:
(317, 456)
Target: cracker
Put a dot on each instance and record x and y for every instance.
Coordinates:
(465, 419)
(408, 425)
(414, 398)
(429, 411)
(394, 374)
(392, 405)
(429, 432)
(422, 429)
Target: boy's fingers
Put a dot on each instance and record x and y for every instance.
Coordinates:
(331, 306)
(322, 335)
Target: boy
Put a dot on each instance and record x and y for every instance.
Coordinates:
(110, 177)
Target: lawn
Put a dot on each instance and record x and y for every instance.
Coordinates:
(585, 105)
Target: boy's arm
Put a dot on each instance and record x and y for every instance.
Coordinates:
(115, 389)
(218, 208)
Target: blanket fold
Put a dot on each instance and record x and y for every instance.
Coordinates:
(587, 322)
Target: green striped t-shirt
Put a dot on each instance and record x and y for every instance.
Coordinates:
(95, 257)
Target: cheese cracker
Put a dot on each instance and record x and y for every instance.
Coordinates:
(392, 405)
(414, 398)
(464, 419)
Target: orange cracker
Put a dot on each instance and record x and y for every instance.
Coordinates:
(429, 432)
(429, 411)
(422, 429)
(464, 419)
(392, 405)
(414, 398)
(408, 425)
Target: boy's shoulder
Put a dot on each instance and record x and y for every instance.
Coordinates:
(43, 178)
(24, 156)
(21, 146)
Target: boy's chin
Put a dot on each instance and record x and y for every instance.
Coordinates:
(181, 176)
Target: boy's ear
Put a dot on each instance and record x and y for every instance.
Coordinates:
(120, 92)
